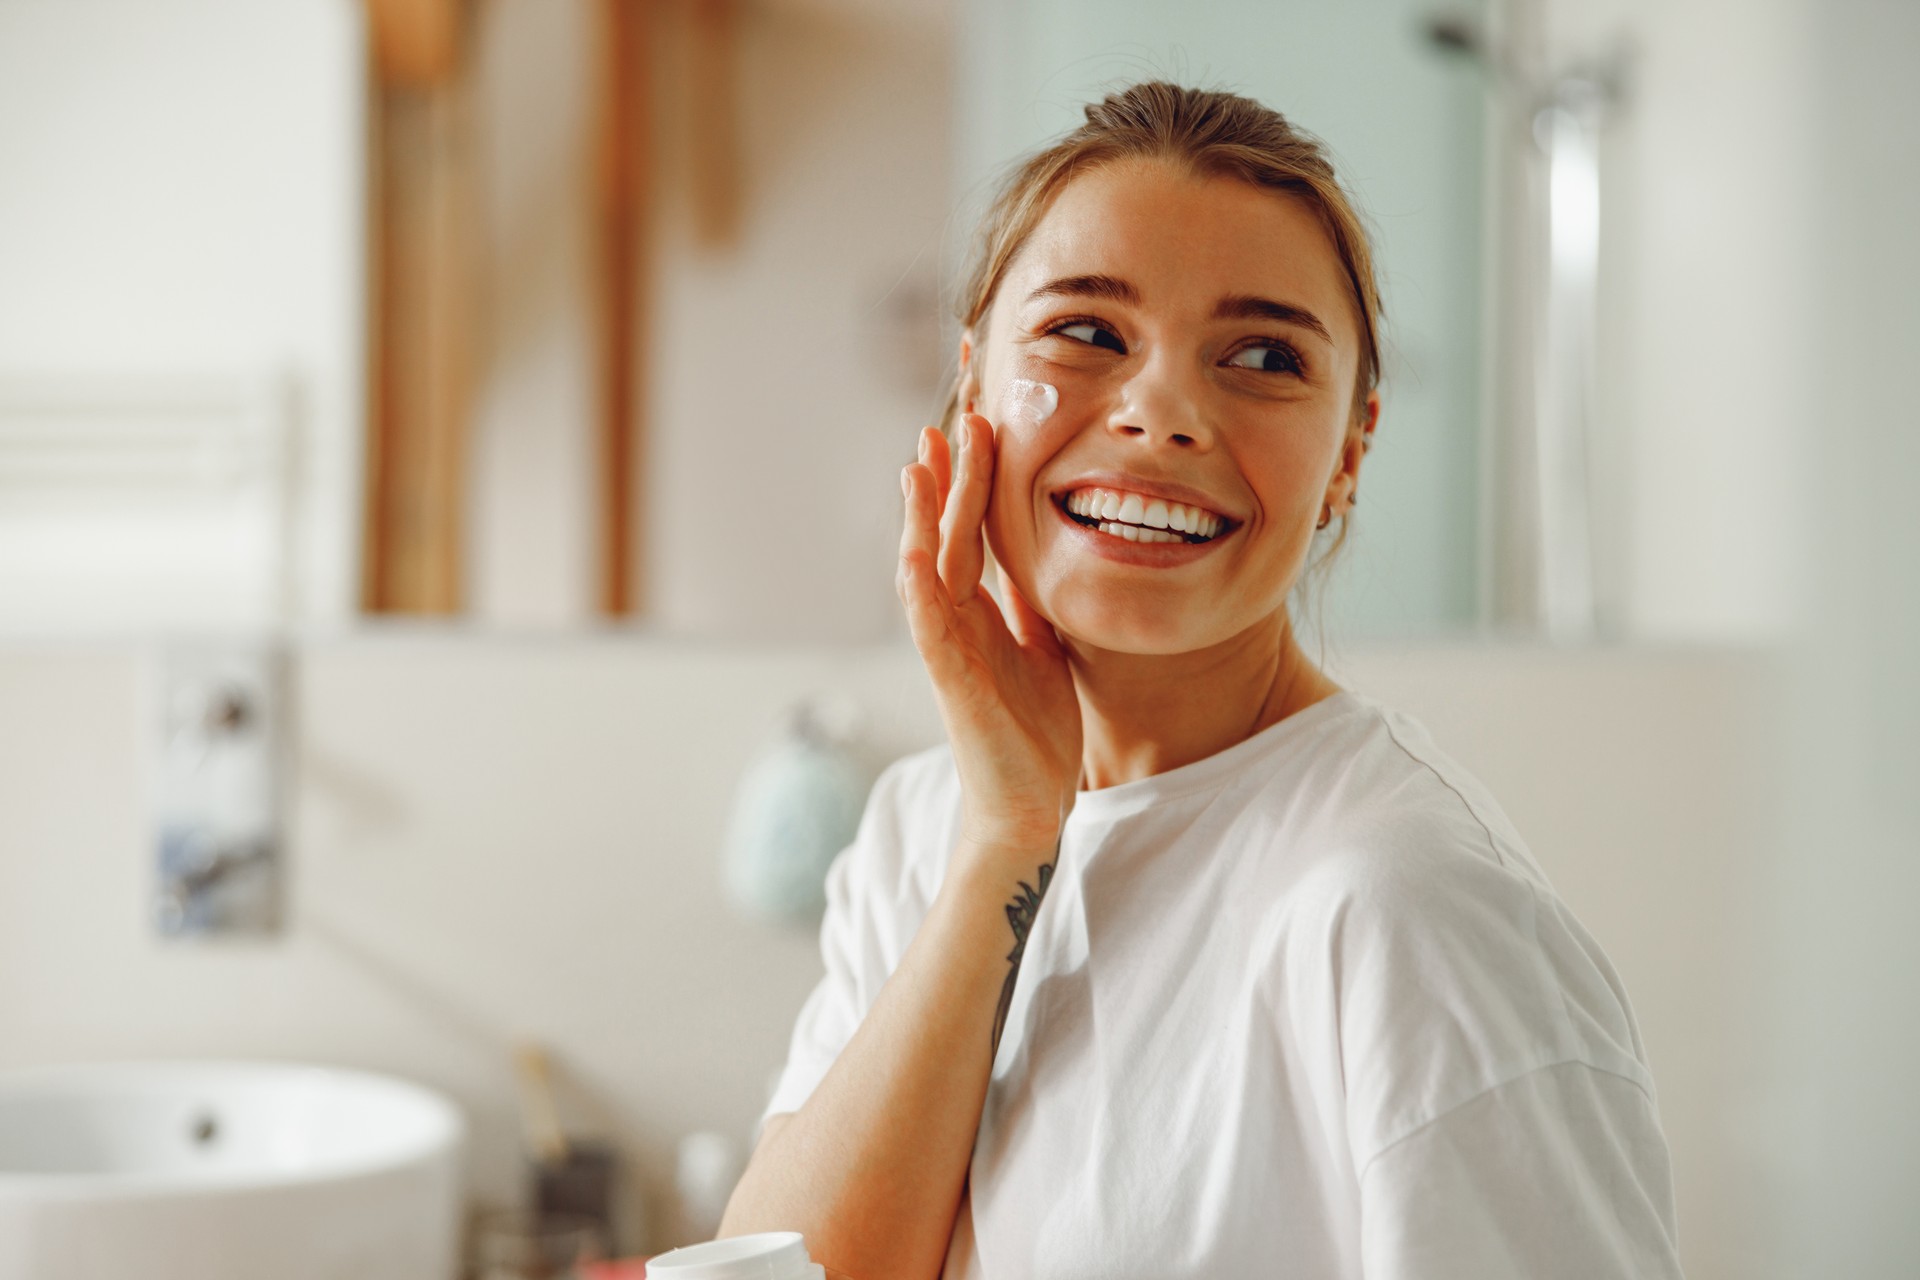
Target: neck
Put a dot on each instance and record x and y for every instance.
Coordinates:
(1143, 714)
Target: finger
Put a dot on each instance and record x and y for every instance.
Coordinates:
(1028, 625)
(939, 460)
(963, 551)
(930, 620)
(920, 532)
(929, 609)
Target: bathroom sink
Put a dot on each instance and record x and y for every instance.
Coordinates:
(225, 1171)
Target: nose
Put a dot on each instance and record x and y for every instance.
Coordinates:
(1162, 405)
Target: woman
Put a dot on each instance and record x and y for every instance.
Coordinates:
(1180, 959)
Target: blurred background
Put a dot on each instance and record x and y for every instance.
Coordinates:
(447, 520)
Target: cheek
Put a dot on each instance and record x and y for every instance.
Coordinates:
(1288, 490)
(1011, 505)
(1016, 511)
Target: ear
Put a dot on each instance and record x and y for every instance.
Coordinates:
(969, 373)
(1345, 482)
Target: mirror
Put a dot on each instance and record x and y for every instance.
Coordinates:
(564, 315)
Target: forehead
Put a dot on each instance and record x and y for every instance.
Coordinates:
(1184, 241)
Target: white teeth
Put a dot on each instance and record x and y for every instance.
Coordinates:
(1139, 518)
(1134, 533)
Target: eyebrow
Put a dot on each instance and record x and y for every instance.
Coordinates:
(1239, 306)
(1247, 307)
(1112, 288)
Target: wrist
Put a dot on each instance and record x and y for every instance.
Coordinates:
(1011, 834)
(1002, 856)
(1016, 831)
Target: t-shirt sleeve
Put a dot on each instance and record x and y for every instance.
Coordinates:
(1498, 1104)
(1558, 1174)
(872, 911)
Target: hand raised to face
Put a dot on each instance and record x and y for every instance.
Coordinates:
(1002, 681)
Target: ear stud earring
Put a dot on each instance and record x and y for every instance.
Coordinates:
(1326, 509)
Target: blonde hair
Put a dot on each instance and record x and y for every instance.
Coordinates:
(1212, 134)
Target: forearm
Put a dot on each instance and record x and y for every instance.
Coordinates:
(871, 1169)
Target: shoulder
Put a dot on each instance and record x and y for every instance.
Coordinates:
(1375, 814)
(1426, 928)
(1375, 780)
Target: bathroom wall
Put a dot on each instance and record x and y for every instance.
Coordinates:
(499, 836)
(1844, 1039)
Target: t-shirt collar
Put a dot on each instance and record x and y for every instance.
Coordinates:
(1111, 803)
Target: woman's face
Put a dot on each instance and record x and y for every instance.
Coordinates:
(1201, 337)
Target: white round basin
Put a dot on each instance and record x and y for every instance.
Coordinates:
(225, 1171)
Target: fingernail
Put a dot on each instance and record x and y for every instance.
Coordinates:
(960, 436)
(906, 484)
(921, 449)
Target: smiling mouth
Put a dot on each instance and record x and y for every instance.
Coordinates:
(1137, 519)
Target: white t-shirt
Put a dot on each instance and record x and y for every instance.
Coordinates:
(1304, 1008)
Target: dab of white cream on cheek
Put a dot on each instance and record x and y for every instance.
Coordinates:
(1029, 403)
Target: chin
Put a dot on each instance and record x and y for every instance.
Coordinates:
(1121, 626)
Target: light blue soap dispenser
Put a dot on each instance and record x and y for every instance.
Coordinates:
(796, 807)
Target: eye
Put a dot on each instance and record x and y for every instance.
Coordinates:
(1095, 335)
(1267, 357)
